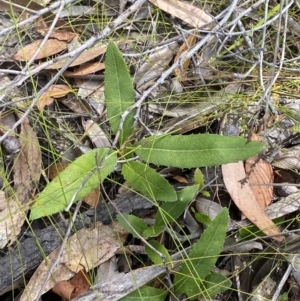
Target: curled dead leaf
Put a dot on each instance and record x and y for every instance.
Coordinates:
(68, 290)
(190, 41)
(54, 91)
(242, 195)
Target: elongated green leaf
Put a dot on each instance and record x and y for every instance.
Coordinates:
(153, 231)
(195, 150)
(137, 224)
(119, 92)
(171, 211)
(147, 181)
(154, 256)
(77, 178)
(202, 257)
(146, 293)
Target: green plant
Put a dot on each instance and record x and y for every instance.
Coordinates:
(183, 151)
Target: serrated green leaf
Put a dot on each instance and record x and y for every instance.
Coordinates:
(153, 231)
(154, 256)
(119, 92)
(202, 257)
(146, 293)
(60, 191)
(171, 211)
(199, 178)
(147, 181)
(190, 151)
(215, 284)
(137, 223)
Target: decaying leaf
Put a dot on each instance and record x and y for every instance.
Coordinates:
(242, 195)
(85, 250)
(54, 91)
(12, 217)
(95, 133)
(83, 58)
(26, 174)
(260, 176)
(155, 64)
(32, 152)
(288, 158)
(185, 11)
(85, 69)
(87, 87)
(68, 290)
(96, 100)
(190, 41)
(11, 143)
(52, 46)
(93, 198)
(75, 104)
(60, 34)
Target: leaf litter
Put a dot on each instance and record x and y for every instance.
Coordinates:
(194, 101)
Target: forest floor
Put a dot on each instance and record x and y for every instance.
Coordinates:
(149, 149)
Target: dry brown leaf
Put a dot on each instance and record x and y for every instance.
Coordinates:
(68, 290)
(64, 289)
(153, 66)
(260, 177)
(190, 42)
(85, 250)
(288, 158)
(32, 152)
(185, 11)
(95, 133)
(52, 46)
(85, 69)
(26, 173)
(12, 217)
(81, 282)
(74, 104)
(54, 91)
(60, 34)
(54, 169)
(93, 197)
(242, 195)
(11, 143)
(83, 58)
(63, 35)
(180, 179)
(96, 100)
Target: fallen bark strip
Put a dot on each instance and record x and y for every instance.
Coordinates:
(28, 255)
